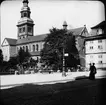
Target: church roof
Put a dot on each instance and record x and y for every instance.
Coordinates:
(37, 38)
(76, 31)
(11, 41)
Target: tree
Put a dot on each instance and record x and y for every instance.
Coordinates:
(12, 63)
(23, 56)
(33, 62)
(73, 58)
(55, 42)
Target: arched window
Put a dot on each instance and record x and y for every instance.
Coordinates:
(23, 48)
(33, 48)
(26, 48)
(37, 47)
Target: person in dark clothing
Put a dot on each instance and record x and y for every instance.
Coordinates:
(92, 72)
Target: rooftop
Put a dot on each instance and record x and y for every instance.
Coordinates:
(102, 24)
(76, 31)
(11, 41)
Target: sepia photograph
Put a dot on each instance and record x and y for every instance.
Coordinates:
(52, 52)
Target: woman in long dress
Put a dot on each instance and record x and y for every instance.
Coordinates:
(92, 72)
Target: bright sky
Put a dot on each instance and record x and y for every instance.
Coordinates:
(46, 14)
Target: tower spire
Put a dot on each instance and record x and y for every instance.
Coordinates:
(25, 24)
(25, 3)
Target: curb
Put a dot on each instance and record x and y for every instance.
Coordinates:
(38, 83)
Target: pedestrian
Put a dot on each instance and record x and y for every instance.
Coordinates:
(92, 71)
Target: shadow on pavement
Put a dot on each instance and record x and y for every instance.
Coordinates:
(81, 92)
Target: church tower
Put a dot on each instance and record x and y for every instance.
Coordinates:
(25, 24)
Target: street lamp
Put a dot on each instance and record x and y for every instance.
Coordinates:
(64, 54)
(63, 61)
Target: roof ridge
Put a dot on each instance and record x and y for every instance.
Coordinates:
(10, 38)
(76, 28)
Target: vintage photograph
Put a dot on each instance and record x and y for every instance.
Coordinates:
(52, 52)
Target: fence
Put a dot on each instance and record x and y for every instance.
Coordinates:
(7, 73)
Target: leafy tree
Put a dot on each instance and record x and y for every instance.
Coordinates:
(33, 62)
(12, 63)
(23, 56)
(55, 42)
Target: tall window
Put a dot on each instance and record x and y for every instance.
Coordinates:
(23, 29)
(37, 47)
(33, 48)
(99, 56)
(20, 30)
(100, 47)
(91, 47)
(100, 62)
(29, 29)
(26, 48)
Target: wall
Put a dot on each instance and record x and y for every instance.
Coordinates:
(12, 51)
(96, 55)
(6, 52)
(5, 49)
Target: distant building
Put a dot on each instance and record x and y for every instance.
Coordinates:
(96, 46)
(34, 44)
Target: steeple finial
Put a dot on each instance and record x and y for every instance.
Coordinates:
(25, 1)
(65, 25)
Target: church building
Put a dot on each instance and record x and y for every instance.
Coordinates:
(34, 44)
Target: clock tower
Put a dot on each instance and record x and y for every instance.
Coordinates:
(25, 24)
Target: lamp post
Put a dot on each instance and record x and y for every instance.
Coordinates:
(63, 61)
(63, 72)
(64, 54)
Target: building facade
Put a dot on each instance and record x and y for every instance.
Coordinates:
(96, 46)
(34, 44)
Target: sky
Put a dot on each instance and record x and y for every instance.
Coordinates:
(47, 14)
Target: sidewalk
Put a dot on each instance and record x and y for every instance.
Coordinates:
(9, 81)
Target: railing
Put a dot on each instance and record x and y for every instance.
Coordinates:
(7, 73)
